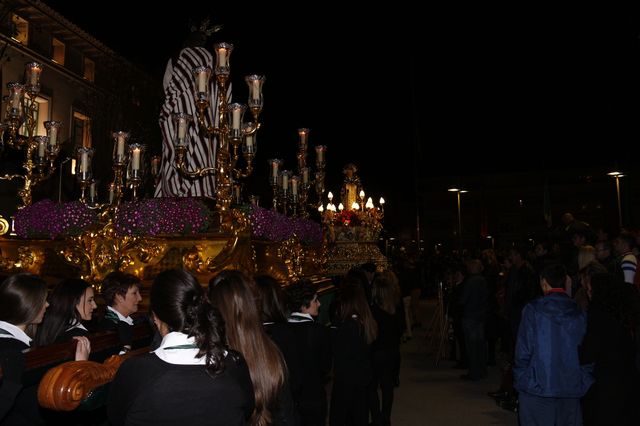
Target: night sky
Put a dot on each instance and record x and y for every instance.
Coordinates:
(446, 90)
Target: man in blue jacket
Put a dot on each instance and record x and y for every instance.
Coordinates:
(547, 371)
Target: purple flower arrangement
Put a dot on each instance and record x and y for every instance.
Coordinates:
(162, 216)
(273, 226)
(155, 216)
(46, 219)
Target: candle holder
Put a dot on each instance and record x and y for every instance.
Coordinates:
(84, 171)
(230, 132)
(320, 163)
(40, 151)
(274, 167)
(121, 155)
(156, 161)
(135, 170)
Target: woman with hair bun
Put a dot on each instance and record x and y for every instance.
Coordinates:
(192, 378)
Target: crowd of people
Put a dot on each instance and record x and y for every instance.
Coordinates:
(565, 315)
(242, 351)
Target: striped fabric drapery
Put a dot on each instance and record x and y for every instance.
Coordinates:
(179, 87)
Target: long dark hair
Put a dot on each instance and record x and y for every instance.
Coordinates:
(352, 304)
(178, 300)
(234, 293)
(272, 298)
(62, 312)
(386, 291)
(22, 297)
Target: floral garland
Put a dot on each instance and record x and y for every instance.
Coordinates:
(154, 216)
(273, 226)
(46, 219)
(162, 216)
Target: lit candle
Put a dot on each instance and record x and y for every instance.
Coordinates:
(202, 81)
(222, 57)
(35, 73)
(73, 166)
(285, 181)
(255, 92)
(274, 169)
(120, 150)
(340, 207)
(155, 165)
(182, 128)
(135, 159)
(249, 142)
(15, 102)
(294, 185)
(235, 120)
(330, 196)
(92, 190)
(41, 148)
(84, 162)
(320, 154)
(361, 193)
(53, 135)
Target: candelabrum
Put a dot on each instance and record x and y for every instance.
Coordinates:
(230, 132)
(19, 132)
(362, 213)
(291, 192)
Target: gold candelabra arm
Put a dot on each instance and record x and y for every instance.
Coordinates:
(202, 105)
(11, 177)
(182, 167)
(239, 174)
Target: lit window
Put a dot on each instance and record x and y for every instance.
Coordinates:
(21, 29)
(81, 130)
(58, 51)
(89, 69)
(42, 114)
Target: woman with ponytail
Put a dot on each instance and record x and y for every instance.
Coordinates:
(192, 378)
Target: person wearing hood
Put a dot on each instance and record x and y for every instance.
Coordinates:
(547, 371)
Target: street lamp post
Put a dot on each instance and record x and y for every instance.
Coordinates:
(459, 191)
(617, 175)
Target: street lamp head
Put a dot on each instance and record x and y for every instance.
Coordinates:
(454, 189)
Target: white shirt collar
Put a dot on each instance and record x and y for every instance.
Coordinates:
(77, 325)
(15, 333)
(121, 317)
(299, 317)
(181, 356)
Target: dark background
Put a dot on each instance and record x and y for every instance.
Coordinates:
(413, 92)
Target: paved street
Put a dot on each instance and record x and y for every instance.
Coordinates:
(430, 395)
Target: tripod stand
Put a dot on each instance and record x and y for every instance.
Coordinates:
(438, 329)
